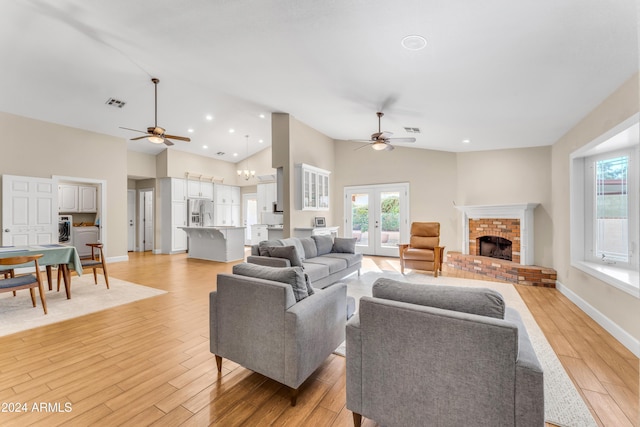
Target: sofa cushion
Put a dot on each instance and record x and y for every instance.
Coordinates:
(294, 241)
(293, 276)
(323, 243)
(481, 301)
(309, 245)
(344, 245)
(351, 259)
(287, 252)
(263, 247)
(316, 272)
(334, 264)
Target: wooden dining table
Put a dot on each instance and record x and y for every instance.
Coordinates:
(64, 256)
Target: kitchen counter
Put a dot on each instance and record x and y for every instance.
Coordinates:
(222, 244)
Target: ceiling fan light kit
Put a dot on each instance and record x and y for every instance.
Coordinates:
(381, 140)
(156, 134)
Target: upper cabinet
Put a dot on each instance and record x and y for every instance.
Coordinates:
(77, 198)
(266, 197)
(313, 185)
(200, 189)
(227, 201)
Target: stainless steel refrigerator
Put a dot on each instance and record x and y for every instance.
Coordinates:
(200, 213)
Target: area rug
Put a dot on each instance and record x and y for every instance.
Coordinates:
(18, 314)
(563, 404)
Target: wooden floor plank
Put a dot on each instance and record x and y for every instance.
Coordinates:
(148, 362)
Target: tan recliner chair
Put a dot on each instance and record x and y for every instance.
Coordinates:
(423, 252)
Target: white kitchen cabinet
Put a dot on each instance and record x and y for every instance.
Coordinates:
(173, 214)
(200, 189)
(313, 193)
(258, 233)
(227, 202)
(67, 198)
(77, 198)
(266, 197)
(82, 236)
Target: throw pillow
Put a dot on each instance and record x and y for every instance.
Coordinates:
(288, 252)
(293, 276)
(293, 241)
(344, 245)
(481, 301)
(309, 245)
(324, 244)
(263, 247)
(310, 289)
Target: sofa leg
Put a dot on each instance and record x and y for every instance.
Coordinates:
(357, 420)
(219, 362)
(294, 396)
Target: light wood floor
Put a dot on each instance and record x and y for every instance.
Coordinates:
(148, 362)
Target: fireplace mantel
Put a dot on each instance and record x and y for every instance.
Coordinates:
(522, 212)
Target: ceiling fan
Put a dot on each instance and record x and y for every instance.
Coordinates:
(382, 140)
(157, 134)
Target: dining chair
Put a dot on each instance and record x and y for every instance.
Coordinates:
(96, 261)
(30, 281)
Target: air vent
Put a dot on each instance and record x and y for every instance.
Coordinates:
(115, 102)
(412, 130)
(220, 153)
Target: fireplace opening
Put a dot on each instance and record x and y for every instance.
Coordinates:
(495, 247)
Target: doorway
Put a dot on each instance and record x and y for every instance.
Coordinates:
(131, 220)
(378, 217)
(145, 219)
(249, 214)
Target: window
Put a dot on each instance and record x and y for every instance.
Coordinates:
(604, 207)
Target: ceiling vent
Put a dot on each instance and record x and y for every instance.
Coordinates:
(412, 130)
(115, 102)
(220, 153)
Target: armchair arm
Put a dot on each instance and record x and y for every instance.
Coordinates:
(314, 328)
(354, 365)
(268, 261)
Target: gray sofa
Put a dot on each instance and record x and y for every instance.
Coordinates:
(325, 260)
(441, 356)
(258, 323)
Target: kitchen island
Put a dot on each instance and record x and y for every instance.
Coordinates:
(222, 244)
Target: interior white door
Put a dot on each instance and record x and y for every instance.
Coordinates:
(378, 217)
(29, 211)
(131, 220)
(148, 220)
(249, 214)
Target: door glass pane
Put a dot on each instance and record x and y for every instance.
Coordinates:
(612, 209)
(389, 218)
(360, 218)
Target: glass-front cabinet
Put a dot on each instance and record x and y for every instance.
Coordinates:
(314, 188)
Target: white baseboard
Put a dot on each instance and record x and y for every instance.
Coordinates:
(117, 258)
(157, 251)
(610, 326)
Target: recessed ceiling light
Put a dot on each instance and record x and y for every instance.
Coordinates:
(235, 154)
(232, 130)
(466, 141)
(208, 117)
(205, 146)
(262, 116)
(190, 130)
(413, 42)
(260, 141)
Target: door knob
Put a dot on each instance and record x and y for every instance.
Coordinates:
(6, 230)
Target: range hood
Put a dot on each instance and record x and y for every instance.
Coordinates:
(266, 178)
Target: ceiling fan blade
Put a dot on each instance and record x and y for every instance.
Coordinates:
(179, 138)
(385, 134)
(140, 137)
(402, 139)
(389, 147)
(135, 130)
(368, 141)
(361, 147)
(167, 142)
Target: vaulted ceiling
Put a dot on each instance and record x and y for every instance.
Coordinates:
(500, 73)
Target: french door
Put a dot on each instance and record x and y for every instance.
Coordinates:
(378, 217)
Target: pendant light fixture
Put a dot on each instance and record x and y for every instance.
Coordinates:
(247, 173)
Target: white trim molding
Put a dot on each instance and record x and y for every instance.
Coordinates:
(631, 343)
(523, 212)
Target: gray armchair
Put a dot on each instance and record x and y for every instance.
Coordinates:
(441, 356)
(258, 324)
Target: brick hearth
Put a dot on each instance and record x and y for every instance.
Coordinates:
(501, 270)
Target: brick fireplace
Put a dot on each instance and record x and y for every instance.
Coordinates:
(498, 243)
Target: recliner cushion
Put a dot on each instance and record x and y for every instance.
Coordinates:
(293, 276)
(425, 235)
(472, 300)
(419, 254)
